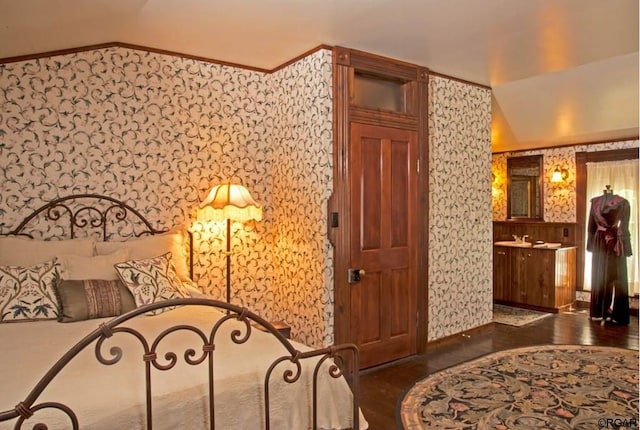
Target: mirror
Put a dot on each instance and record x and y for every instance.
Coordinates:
(524, 187)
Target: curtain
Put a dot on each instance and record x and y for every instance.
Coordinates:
(623, 178)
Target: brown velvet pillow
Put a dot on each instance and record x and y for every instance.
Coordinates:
(83, 300)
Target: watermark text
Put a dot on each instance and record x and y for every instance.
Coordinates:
(617, 423)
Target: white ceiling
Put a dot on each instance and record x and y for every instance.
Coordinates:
(562, 71)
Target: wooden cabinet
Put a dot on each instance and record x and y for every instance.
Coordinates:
(537, 278)
(281, 326)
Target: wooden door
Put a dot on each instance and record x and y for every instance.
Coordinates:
(383, 199)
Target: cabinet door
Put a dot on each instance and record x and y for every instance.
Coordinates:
(565, 278)
(548, 278)
(540, 286)
(501, 273)
(519, 275)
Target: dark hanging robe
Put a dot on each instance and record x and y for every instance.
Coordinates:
(609, 242)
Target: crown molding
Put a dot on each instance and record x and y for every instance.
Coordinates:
(48, 54)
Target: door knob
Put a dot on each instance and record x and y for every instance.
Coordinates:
(355, 275)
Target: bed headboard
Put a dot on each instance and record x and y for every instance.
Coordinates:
(88, 214)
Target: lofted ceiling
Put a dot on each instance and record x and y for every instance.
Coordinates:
(562, 71)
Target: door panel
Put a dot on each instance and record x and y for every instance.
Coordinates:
(370, 194)
(400, 194)
(383, 196)
(370, 297)
(400, 293)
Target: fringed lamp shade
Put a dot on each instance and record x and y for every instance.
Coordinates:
(229, 202)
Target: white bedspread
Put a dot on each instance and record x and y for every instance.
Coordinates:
(112, 397)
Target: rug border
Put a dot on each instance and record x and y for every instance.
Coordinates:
(399, 423)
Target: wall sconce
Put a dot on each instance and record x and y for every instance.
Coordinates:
(229, 202)
(559, 175)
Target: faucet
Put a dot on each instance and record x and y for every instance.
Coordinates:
(518, 239)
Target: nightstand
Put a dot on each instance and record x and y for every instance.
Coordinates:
(283, 328)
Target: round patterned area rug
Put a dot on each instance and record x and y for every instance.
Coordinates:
(549, 387)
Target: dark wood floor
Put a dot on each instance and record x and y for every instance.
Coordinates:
(382, 388)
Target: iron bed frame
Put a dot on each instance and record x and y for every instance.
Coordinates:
(99, 214)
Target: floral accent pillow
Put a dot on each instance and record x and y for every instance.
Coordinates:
(151, 280)
(28, 293)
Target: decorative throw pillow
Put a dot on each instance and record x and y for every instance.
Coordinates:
(79, 268)
(28, 293)
(151, 280)
(96, 298)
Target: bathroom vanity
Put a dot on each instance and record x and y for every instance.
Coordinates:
(542, 278)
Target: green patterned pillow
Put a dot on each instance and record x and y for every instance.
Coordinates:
(28, 293)
(151, 280)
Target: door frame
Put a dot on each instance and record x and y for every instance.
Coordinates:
(345, 62)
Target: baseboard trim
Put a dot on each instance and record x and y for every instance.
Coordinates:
(460, 336)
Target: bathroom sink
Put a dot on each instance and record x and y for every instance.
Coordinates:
(514, 244)
(548, 245)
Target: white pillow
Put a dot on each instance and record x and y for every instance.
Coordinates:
(99, 267)
(152, 246)
(25, 252)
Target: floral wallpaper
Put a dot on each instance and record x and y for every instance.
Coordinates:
(158, 131)
(559, 198)
(460, 233)
(302, 179)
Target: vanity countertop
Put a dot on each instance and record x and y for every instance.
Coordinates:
(527, 245)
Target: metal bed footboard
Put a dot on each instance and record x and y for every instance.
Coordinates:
(343, 361)
(106, 218)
